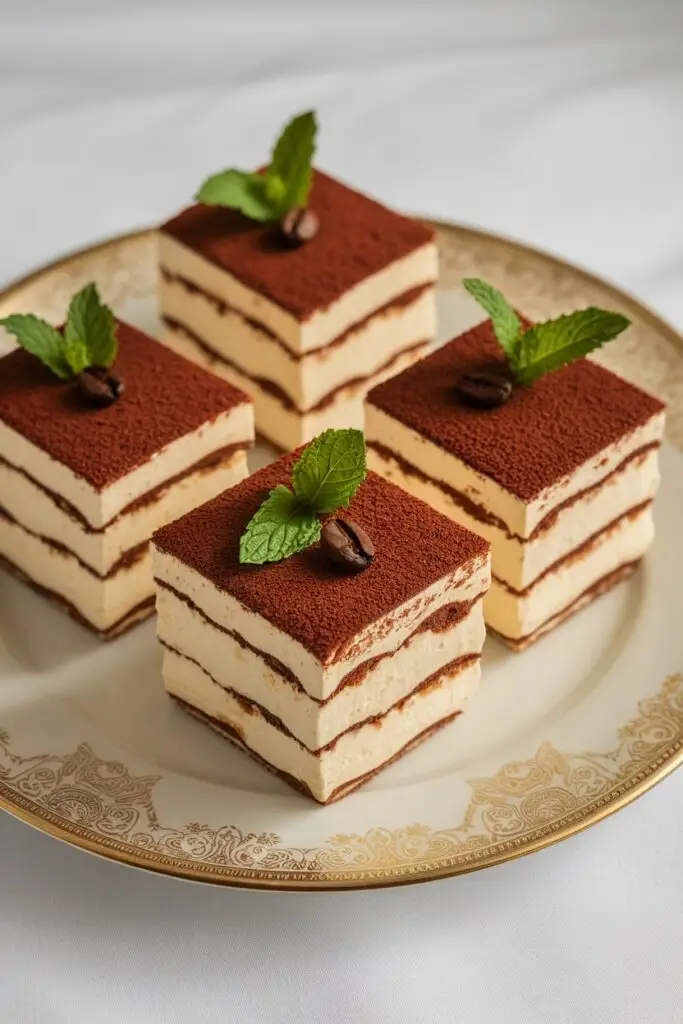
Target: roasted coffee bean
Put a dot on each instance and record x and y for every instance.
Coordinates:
(98, 386)
(347, 545)
(485, 388)
(299, 225)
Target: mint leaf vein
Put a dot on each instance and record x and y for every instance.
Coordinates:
(279, 528)
(556, 343)
(330, 470)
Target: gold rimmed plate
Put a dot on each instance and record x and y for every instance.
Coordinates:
(557, 738)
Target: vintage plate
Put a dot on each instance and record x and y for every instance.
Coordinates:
(92, 751)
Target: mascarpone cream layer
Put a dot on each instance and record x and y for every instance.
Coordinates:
(101, 602)
(287, 427)
(320, 680)
(99, 507)
(37, 511)
(518, 615)
(418, 268)
(309, 379)
(364, 750)
(315, 725)
(521, 518)
(516, 562)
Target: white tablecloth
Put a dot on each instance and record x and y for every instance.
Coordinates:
(559, 122)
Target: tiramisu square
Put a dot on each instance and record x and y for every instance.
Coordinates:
(84, 486)
(560, 478)
(307, 328)
(322, 676)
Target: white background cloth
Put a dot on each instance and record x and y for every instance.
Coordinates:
(557, 122)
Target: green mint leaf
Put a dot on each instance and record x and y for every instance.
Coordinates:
(41, 340)
(90, 332)
(239, 190)
(506, 325)
(555, 343)
(275, 190)
(292, 159)
(77, 355)
(330, 470)
(280, 528)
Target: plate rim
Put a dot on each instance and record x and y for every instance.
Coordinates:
(649, 775)
(601, 808)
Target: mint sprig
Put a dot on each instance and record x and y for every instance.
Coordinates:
(88, 339)
(285, 183)
(325, 477)
(549, 345)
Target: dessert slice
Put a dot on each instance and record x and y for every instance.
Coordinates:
(91, 463)
(557, 471)
(341, 656)
(303, 308)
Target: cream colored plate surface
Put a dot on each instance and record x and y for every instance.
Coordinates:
(91, 750)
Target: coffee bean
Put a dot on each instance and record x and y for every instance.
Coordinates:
(98, 386)
(347, 545)
(485, 388)
(299, 225)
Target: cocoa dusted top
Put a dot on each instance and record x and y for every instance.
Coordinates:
(540, 435)
(304, 596)
(357, 237)
(165, 397)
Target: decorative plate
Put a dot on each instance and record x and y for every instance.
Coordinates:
(93, 752)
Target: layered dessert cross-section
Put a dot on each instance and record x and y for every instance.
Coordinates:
(304, 330)
(82, 488)
(324, 678)
(560, 478)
